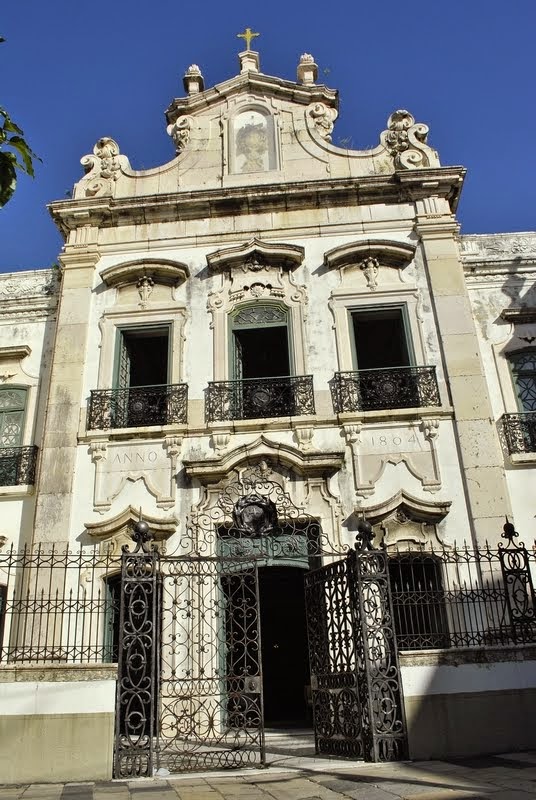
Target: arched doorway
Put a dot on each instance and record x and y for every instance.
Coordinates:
(285, 660)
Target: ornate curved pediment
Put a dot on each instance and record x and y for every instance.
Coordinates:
(116, 531)
(411, 507)
(307, 464)
(256, 255)
(387, 253)
(161, 271)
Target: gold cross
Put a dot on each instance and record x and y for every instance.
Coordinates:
(247, 36)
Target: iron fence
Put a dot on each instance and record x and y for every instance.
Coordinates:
(17, 465)
(64, 606)
(459, 597)
(520, 432)
(374, 389)
(138, 406)
(254, 398)
(59, 606)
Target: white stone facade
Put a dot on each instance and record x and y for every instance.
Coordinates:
(257, 208)
(333, 332)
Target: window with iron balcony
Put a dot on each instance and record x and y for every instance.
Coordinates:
(142, 395)
(386, 376)
(520, 428)
(17, 463)
(262, 384)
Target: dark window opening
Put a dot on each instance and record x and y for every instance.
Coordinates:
(418, 596)
(261, 352)
(143, 358)
(380, 339)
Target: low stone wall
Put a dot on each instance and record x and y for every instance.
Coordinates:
(56, 722)
(469, 701)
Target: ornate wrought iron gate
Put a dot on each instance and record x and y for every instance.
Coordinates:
(358, 707)
(190, 687)
(190, 672)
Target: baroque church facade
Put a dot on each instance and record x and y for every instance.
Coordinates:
(269, 309)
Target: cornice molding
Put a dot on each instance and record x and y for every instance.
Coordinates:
(255, 83)
(401, 187)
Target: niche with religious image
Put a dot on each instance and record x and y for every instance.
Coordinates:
(253, 142)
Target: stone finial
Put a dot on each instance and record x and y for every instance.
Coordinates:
(405, 140)
(307, 70)
(249, 61)
(193, 80)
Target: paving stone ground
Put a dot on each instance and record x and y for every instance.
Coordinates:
(511, 776)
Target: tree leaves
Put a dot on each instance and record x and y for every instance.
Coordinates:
(15, 154)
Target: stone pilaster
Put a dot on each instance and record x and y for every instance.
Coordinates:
(58, 450)
(480, 454)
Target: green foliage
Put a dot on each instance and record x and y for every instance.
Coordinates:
(15, 155)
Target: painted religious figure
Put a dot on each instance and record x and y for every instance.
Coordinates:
(254, 149)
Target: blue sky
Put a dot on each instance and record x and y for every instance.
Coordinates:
(75, 71)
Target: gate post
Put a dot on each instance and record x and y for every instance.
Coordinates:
(378, 672)
(518, 585)
(137, 681)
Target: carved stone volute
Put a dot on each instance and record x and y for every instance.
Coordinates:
(405, 140)
(103, 168)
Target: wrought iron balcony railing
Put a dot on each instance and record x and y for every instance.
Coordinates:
(253, 398)
(375, 389)
(17, 465)
(138, 406)
(520, 432)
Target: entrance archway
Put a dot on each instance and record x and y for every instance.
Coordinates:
(285, 660)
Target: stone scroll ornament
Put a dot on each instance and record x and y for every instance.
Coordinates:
(103, 168)
(322, 118)
(405, 140)
(180, 132)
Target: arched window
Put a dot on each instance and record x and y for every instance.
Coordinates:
(523, 366)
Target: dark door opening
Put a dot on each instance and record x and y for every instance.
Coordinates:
(285, 662)
(261, 352)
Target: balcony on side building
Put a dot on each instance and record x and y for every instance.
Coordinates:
(257, 398)
(17, 465)
(377, 389)
(138, 406)
(520, 432)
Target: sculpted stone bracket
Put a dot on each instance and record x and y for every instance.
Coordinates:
(413, 445)
(115, 532)
(153, 463)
